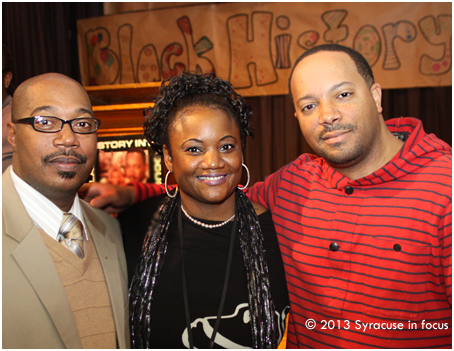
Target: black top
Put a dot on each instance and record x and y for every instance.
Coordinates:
(206, 252)
(134, 223)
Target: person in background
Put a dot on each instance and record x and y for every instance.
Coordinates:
(7, 92)
(210, 273)
(115, 176)
(64, 276)
(135, 165)
(364, 226)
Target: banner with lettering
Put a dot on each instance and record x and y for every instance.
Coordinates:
(254, 45)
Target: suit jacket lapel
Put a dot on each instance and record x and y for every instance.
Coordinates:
(33, 258)
(108, 257)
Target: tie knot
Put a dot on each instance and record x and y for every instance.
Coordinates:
(71, 234)
(71, 227)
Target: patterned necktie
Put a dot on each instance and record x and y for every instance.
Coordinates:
(71, 234)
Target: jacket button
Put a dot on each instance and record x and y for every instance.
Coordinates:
(397, 247)
(334, 247)
(348, 190)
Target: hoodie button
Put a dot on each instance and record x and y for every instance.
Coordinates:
(334, 247)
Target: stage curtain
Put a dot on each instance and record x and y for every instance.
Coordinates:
(42, 36)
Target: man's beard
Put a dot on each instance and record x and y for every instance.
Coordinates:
(345, 159)
(67, 175)
(341, 158)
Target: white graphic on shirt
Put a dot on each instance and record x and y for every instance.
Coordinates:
(222, 341)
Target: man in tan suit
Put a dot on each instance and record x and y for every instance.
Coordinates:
(64, 270)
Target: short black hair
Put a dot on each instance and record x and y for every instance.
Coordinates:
(194, 89)
(7, 62)
(7, 66)
(361, 63)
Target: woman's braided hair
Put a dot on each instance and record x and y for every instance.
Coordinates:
(193, 89)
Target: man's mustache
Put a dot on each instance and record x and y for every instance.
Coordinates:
(65, 153)
(334, 127)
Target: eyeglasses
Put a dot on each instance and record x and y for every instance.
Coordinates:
(47, 124)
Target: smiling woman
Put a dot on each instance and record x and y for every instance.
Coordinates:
(222, 281)
(205, 155)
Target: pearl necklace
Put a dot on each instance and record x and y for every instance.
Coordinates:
(209, 226)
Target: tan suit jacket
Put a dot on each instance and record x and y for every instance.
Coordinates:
(36, 312)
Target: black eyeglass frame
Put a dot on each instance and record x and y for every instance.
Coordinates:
(31, 121)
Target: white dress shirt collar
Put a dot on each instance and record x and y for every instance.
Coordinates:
(43, 212)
